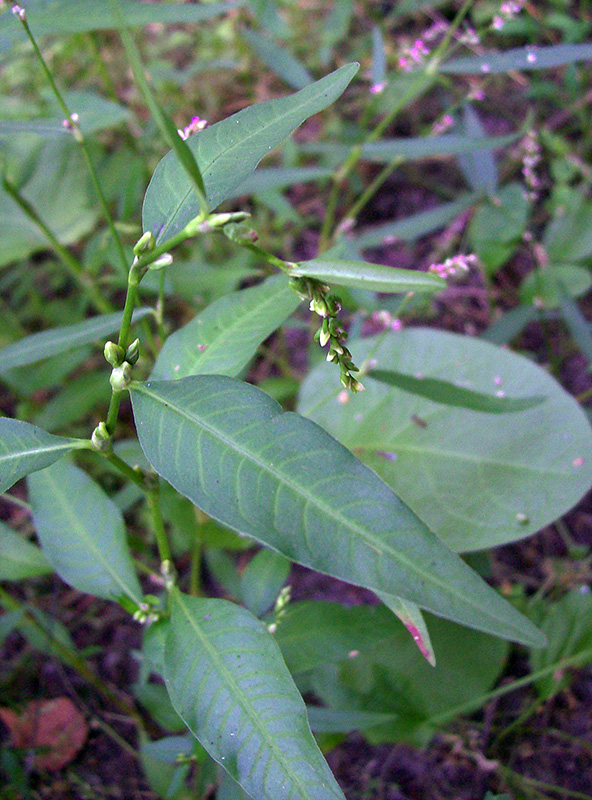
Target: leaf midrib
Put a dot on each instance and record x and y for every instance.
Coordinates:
(75, 523)
(381, 547)
(224, 332)
(241, 699)
(223, 152)
(37, 451)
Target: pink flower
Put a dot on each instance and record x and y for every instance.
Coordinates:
(454, 266)
(195, 125)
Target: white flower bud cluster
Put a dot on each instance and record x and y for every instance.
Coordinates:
(531, 156)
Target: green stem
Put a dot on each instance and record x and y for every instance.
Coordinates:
(11, 498)
(70, 263)
(373, 188)
(194, 577)
(133, 280)
(99, 65)
(125, 469)
(418, 86)
(71, 658)
(162, 541)
(166, 126)
(79, 136)
(160, 307)
(582, 657)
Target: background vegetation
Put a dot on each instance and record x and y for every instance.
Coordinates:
(461, 149)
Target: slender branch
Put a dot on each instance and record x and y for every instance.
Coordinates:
(125, 469)
(422, 82)
(70, 657)
(571, 661)
(72, 124)
(133, 280)
(373, 188)
(162, 541)
(70, 263)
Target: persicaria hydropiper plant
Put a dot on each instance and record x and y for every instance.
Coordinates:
(407, 448)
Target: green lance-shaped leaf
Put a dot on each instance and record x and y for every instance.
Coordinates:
(224, 337)
(59, 340)
(412, 618)
(165, 124)
(479, 167)
(449, 394)
(523, 58)
(25, 448)
(415, 226)
(229, 151)
(19, 558)
(281, 61)
(474, 483)
(374, 277)
(269, 178)
(408, 149)
(228, 681)
(82, 533)
(80, 16)
(282, 480)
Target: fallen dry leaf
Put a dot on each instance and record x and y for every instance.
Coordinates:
(54, 725)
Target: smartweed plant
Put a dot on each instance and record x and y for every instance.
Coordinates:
(407, 448)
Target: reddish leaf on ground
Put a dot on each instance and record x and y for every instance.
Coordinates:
(55, 727)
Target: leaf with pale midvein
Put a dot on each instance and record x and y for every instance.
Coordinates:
(49, 343)
(229, 151)
(224, 337)
(228, 681)
(447, 393)
(82, 533)
(25, 448)
(474, 483)
(284, 481)
(363, 275)
(412, 618)
(19, 558)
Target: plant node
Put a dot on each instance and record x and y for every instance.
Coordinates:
(101, 438)
(121, 377)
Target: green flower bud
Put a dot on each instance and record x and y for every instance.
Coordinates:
(324, 334)
(318, 305)
(168, 572)
(299, 286)
(144, 244)
(133, 352)
(240, 232)
(121, 377)
(164, 260)
(113, 353)
(101, 438)
(334, 304)
(335, 328)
